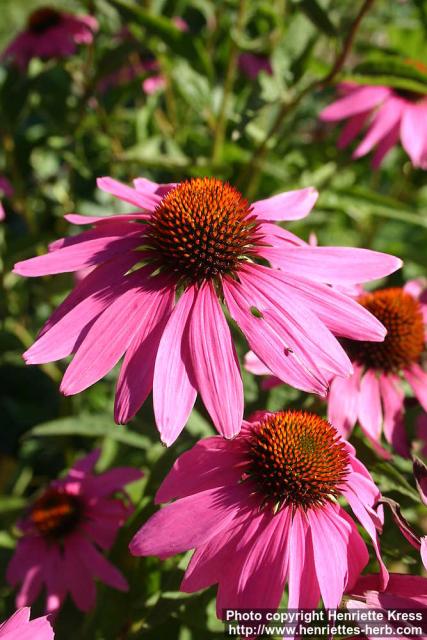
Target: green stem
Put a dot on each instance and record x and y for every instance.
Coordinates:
(230, 74)
(253, 169)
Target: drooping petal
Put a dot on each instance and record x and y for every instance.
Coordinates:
(384, 146)
(413, 132)
(343, 402)
(174, 393)
(387, 118)
(187, 523)
(333, 265)
(110, 335)
(78, 256)
(136, 375)
(304, 591)
(78, 577)
(417, 378)
(392, 399)
(331, 568)
(369, 410)
(267, 343)
(355, 102)
(111, 481)
(352, 128)
(290, 205)
(99, 566)
(210, 463)
(214, 362)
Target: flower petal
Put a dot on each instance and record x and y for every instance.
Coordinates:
(369, 410)
(357, 101)
(174, 393)
(290, 205)
(143, 200)
(215, 364)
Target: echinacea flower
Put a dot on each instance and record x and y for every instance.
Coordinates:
(50, 33)
(262, 510)
(251, 65)
(391, 115)
(63, 532)
(156, 292)
(374, 394)
(20, 627)
(6, 189)
(402, 592)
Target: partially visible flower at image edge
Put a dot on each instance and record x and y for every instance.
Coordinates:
(201, 239)
(7, 190)
(63, 531)
(50, 33)
(262, 510)
(391, 115)
(20, 627)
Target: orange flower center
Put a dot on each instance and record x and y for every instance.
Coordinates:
(401, 315)
(297, 459)
(56, 513)
(43, 18)
(202, 229)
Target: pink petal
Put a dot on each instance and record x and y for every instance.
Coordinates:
(56, 580)
(254, 365)
(145, 186)
(333, 265)
(417, 378)
(186, 523)
(304, 589)
(78, 577)
(386, 119)
(290, 205)
(384, 146)
(78, 256)
(76, 218)
(136, 375)
(369, 410)
(357, 101)
(358, 556)
(99, 566)
(393, 399)
(147, 201)
(342, 315)
(212, 462)
(174, 393)
(31, 587)
(111, 481)
(269, 346)
(331, 568)
(413, 132)
(423, 551)
(352, 129)
(108, 337)
(343, 402)
(215, 364)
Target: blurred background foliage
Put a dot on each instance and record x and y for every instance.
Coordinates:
(62, 126)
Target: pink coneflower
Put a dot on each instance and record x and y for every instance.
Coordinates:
(50, 33)
(63, 531)
(6, 189)
(155, 296)
(251, 65)
(262, 510)
(402, 592)
(20, 627)
(390, 114)
(374, 394)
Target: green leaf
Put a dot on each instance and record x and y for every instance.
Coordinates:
(185, 45)
(318, 16)
(11, 503)
(90, 426)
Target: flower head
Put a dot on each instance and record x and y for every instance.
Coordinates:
(262, 510)
(63, 531)
(50, 33)
(251, 65)
(374, 393)
(20, 627)
(156, 293)
(391, 114)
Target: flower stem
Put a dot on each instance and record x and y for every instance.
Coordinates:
(253, 169)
